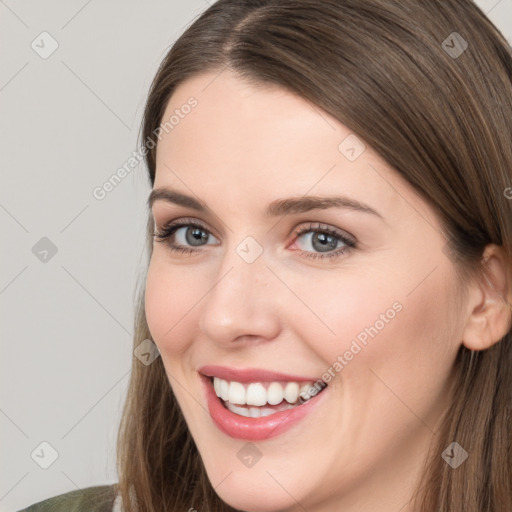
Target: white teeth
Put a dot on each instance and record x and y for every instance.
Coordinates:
(291, 392)
(242, 411)
(258, 394)
(223, 389)
(304, 391)
(216, 386)
(253, 412)
(236, 393)
(275, 393)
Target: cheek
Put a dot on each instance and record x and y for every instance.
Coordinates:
(402, 345)
(169, 301)
(364, 321)
(344, 313)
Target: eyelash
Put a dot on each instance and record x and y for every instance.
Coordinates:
(170, 229)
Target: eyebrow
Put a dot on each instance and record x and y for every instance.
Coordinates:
(289, 206)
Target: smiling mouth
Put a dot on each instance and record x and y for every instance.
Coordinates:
(259, 399)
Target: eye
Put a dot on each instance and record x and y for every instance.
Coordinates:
(329, 242)
(318, 241)
(183, 235)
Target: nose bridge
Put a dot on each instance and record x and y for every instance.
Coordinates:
(239, 301)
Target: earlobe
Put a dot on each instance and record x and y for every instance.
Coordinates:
(489, 302)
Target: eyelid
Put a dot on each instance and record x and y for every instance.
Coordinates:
(167, 217)
(183, 222)
(320, 226)
(312, 225)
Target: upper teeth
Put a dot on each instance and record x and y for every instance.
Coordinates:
(257, 393)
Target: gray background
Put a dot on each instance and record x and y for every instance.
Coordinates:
(67, 123)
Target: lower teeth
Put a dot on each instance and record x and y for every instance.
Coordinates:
(257, 412)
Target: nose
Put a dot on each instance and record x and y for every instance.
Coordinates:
(242, 303)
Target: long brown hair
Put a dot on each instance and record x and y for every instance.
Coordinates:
(427, 84)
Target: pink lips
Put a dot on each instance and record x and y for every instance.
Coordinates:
(253, 429)
(250, 375)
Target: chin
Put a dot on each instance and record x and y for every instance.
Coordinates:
(243, 495)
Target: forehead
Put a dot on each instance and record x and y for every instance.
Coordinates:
(251, 116)
(265, 142)
(252, 130)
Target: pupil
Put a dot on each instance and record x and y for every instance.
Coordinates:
(327, 241)
(195, 236)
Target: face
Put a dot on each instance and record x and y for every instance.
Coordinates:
(255, 298)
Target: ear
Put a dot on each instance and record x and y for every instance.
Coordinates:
(489, 302)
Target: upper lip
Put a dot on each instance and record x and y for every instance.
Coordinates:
(250, 374)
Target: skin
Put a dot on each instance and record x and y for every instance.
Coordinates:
(363, 449)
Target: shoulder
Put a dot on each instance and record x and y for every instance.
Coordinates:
(98, 498)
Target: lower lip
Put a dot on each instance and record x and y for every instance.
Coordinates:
(255, 429)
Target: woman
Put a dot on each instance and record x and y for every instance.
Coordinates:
(326, 321)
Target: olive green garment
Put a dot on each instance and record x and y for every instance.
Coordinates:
(91, 499)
